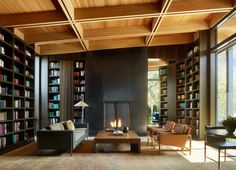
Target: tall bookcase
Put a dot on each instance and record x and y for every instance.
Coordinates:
(78, 87)
(193, 88)
(53, 91)
(163, 72)
(17, 121)
(180, 92)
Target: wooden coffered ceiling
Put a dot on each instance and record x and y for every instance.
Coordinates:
(65, 26)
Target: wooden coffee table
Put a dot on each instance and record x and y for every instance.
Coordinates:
(107, 137)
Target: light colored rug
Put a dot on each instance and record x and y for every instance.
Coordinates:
(83, 158)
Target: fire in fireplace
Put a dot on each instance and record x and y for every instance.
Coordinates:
(115, 123)
(116, 114)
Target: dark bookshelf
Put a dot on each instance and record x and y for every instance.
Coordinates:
(53, 91)
(16, 91)
(180, 92)
(192, 86)
(163, 73)
(79, 90)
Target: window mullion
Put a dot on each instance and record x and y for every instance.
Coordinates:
(230, 84)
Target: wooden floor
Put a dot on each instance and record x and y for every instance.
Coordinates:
(83, 158)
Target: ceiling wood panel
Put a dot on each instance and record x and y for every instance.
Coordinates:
(102, 3)
(117, 12)
(61, 48)
(25, 6)
(172, 39)
(117, 23)
(84, 25)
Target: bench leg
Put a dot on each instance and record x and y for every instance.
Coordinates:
(218, 159)
(204, 151)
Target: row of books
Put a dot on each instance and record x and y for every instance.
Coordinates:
(82, 82)
(3, 142)
(3, 77)
(17, 126)
(1, 63)
(53, 105)
(56, 97)
(54, 73)
(18, 103)
(28, 53)
(55, 81)
(2, 50)
(27, 104)
(3, 128)
(54, 113)
(27, 93)
(54, 65)
(27, 83)
(79, 64)
(17, 114)
(16, 92)
(181, 105)
(79, 89)
(3, 116)
(3, 103)
(54, 89)
(78, 97)
(16, 138)
(79, 73)
(28, 74)
(53, 120)
(3, 90)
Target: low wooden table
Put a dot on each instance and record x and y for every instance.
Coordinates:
(107, 137)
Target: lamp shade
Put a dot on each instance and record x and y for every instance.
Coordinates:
(81, 104)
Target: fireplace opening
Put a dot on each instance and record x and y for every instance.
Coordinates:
(116, 114)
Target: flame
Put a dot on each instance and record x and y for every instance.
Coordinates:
(113, 123)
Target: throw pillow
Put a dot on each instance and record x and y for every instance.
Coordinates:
(179, 128)
(55, 127)
(169, 125)
(69, 125)
(61, 126)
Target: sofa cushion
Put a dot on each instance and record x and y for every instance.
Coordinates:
(61, 125)
(180, 128)
(55, 126)
(69, 125)
(169, 125)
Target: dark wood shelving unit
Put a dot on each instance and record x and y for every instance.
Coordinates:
(79, 90)
(16, 90)
(53, 91)
(163, 72)
(192, 88)
(180, 92)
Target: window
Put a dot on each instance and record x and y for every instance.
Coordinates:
(226, 84)
(221, 87)
(154, 95)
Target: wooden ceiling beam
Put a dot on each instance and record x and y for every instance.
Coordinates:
(45, 37)
(157, 22)
(196, 6)
(214, 18)
(62, 48)
(172, 39)
(119, 12)
(184, 27)
(69, 10)
(32, 19)
(116, 32)
(117, 43)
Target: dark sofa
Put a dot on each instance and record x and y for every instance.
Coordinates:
(62, 139)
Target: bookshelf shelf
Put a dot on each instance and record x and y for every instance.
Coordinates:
(13, 93)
